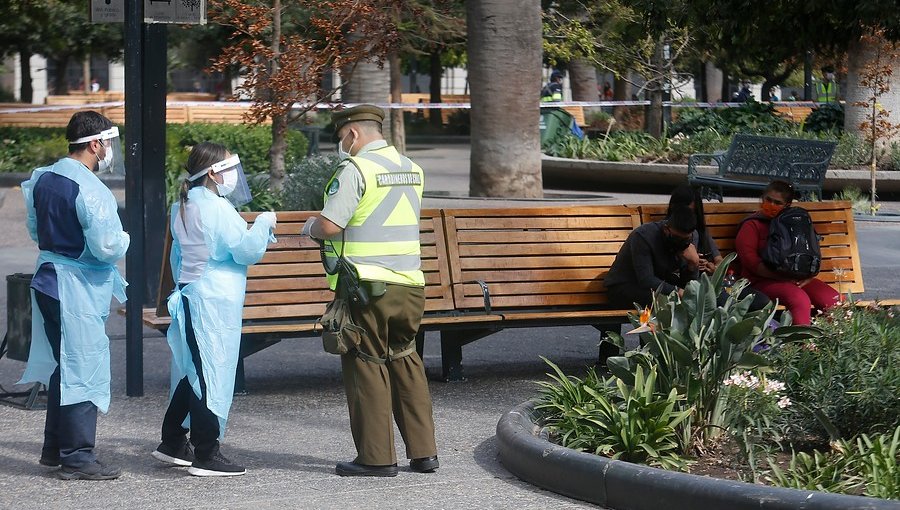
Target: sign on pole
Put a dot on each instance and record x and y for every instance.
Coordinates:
(155, 11)
(175, 11)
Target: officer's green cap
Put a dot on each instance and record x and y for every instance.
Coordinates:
(361, 112)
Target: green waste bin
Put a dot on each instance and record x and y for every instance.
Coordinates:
(555, 125)
(18, 316)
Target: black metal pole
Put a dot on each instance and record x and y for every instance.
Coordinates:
(134, 197)
(154, 155)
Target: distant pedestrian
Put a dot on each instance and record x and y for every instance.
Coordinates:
(552, 91)
(827, 90)
(607, 92)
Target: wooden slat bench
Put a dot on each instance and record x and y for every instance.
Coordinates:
(287, 291)
(532, 267)
(833, 221)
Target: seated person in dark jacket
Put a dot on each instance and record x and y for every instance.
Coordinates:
(652, 257)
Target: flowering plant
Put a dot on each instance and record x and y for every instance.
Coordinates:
(753, 402)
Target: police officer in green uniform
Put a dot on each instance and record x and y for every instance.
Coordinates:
(827, 90)
(371, 218)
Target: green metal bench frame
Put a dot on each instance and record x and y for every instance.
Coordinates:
(751, 162)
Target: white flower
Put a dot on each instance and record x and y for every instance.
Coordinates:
(773, 386)
(784, 402)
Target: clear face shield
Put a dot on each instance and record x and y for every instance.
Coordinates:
(234, 185)
(114, 162)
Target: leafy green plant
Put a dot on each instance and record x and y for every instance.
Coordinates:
(305, 185)
(633, 423)
(863, 465)
(851, 151)
(827, 117)
(847, 382)
(24, 149)
(858, 200)
(695, 344)
(826, 472)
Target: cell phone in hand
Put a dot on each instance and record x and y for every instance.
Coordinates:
(706, 256)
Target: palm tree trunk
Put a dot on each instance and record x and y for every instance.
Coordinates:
(583, 80)
(861, 54)
(713, 82)
(367, 83)
(60, 84)
(504, 49)
(397, 129)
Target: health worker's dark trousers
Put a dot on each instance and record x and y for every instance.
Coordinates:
(204, 424)
(71, 430)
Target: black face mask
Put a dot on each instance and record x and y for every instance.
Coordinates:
(677, 244)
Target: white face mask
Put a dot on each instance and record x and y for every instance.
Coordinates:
(340, 148)
(229, 183)
(103, 165)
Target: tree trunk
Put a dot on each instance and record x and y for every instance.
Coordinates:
(504, 49)
(276, 152)
(26, 89)
(655, 112)
(620, 93)
(436, 71)
(60, 84)
(397, 129)
(859, 54)
(279, 122)
(713, 82)
(367, 83)
(583, 80)
(86, 73)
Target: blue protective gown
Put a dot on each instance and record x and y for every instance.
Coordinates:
(216, 299)
(85, 285)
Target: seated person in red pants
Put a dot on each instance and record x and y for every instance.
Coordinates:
(797, 296)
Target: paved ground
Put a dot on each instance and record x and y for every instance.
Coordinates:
(293, 426)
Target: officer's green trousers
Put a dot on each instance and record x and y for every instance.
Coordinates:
(376, 390)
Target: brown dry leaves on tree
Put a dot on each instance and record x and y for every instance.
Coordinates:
(876, 78)
(316, 36)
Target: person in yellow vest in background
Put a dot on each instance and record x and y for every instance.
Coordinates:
(553, 90)
(371, 219)
(827, 90)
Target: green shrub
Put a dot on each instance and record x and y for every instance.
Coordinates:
(305, 184)
(751, 117)
(858, 199)
(826, 472)
(24, 149)
(851, 150)
(697, 120)
(828, 117)
(848, 381)
(633, 423)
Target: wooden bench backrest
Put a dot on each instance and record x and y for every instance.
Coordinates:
(769, 157)
(794, 113)
(535, 258)
(833, 221)
(289, 282)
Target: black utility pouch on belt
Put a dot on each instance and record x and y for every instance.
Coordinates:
(339, 334)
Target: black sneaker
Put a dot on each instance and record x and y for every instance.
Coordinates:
(217, 465)
(93, 471)
(182, 456)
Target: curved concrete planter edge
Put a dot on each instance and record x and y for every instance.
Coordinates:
(621, 485)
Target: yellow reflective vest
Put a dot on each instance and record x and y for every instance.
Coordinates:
(827, 92)
(382, 237)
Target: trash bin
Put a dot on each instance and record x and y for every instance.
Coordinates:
(555, 125)
(18, 316)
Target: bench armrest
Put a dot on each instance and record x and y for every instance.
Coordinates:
(484, 292)
(695, 160)
(820, 168)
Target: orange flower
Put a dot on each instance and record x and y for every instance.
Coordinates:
(646, 323)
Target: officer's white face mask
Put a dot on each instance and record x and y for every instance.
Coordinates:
(340, 148)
